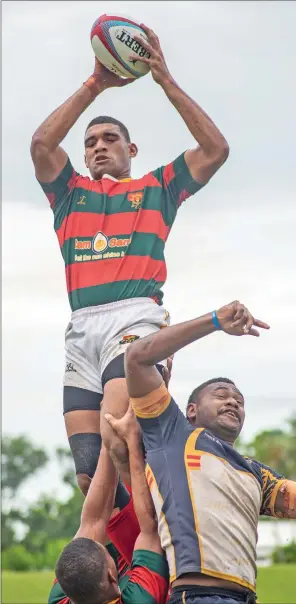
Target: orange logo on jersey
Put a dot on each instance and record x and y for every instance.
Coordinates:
(82, 245)
(114, 242)
(128, 339)
(136, 199)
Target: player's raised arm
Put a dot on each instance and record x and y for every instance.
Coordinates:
(99, 501)
(128, 429)
(141, 356)
(48, 157)
(278, 494)
(213, 149)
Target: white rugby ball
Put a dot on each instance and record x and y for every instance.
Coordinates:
(113, 42)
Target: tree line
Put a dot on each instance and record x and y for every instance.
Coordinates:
(49, 523)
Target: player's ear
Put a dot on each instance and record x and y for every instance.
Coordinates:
(133, 150)
(85, 161)
(191, 413)
(111, 577)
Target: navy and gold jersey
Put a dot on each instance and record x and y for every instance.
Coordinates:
(207, 496)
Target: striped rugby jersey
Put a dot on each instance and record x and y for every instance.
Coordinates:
(207, 496)
(112, 233)
(146, 582)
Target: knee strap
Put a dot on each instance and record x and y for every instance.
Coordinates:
(86, 449)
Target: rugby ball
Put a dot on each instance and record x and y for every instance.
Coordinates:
(112, 40)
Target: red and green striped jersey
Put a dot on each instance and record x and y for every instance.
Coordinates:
(112, 233)
(146, 582)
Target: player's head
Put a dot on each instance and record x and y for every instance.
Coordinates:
(217, 405)
(87, 573)
(108, 148)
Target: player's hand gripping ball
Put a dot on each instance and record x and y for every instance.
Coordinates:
(116, 47)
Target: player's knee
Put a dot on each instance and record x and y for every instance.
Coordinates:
(85, 449)
(83, 481)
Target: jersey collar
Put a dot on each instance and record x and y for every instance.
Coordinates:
(116, 179)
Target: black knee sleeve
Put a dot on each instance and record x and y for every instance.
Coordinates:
(85, 449)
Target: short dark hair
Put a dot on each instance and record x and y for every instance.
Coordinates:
(81, 571)
(105, 119)
(196, 392)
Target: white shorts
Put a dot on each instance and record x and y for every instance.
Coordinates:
(98, 335)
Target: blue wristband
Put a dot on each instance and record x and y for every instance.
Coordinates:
(215, 320)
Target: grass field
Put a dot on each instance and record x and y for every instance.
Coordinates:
(276, 585)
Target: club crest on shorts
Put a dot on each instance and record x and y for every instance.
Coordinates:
(128, 339)
(136, 199)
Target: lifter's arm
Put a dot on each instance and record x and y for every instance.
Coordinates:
(48, 157)
(141, 356)
(129, 430)
(99, 502)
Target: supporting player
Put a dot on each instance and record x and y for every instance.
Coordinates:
(112, 231)
(85, 570)
(207, 496)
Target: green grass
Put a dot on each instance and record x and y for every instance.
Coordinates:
(276, 585)
(26, 588)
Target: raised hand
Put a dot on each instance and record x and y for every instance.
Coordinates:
(102, 78)
(236, 319)
(156, 62)
(127, 427)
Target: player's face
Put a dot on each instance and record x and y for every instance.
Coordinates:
(220, 408)
(108, 152)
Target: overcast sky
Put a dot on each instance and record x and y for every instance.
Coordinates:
(234, 240)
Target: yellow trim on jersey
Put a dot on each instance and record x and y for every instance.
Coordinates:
(153, 404)
(213, 573)
(183, 597)
(200, 452)
(189, 447)
(148, 470)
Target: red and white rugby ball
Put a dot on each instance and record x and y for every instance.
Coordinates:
(112, 39)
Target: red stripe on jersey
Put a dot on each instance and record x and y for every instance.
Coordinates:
(168, 174)
(123, 530)
(92, 273)
(153, 583)
(72, 182)
(183, 195)
(193, 465)
(88, 224)
(51, 199)
(111, 187)
(150, 481)
(193, 456)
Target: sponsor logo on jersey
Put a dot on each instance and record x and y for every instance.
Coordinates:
(135, 199)
(128, 339)
(81, 201)
(100, 243)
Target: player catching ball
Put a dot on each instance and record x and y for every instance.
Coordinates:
(112, 231)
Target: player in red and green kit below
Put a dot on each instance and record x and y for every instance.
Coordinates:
(112, 231)
(85, 571)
